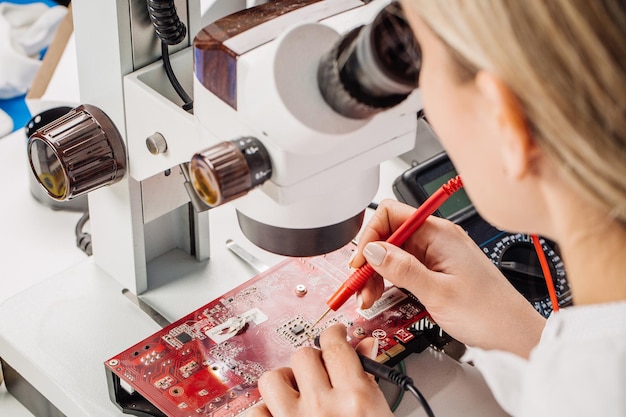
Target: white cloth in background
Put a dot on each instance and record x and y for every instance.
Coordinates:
(25, 30)
(577, 369)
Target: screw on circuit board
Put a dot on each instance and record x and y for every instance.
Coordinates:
(359, 332)
(301, 290)
(114, 362)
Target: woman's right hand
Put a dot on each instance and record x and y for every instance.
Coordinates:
(465, 294)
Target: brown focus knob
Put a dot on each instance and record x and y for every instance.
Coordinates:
(77, 153)
(229, 170)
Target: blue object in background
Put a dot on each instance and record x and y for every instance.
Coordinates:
(17, 110)
(16, 107)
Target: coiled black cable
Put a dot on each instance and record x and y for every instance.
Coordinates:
(166, 23)
(171, 31)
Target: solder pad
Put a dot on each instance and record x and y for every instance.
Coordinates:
(208, 362)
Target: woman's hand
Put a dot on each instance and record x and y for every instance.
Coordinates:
(463, 291)
(323, 383)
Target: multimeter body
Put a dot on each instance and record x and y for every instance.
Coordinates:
(512, 253)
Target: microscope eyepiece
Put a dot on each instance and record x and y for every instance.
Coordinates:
(371, 68)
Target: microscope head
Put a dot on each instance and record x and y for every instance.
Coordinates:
(316, 111)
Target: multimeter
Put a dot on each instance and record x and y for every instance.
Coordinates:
(513, 253)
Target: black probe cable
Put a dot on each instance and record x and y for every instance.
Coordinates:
(405, 382)
(396, 377)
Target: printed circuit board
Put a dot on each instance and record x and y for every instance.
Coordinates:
(208, 362)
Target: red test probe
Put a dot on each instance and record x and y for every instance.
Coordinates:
(358, 278)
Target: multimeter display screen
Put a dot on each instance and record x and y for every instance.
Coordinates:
(455, 203)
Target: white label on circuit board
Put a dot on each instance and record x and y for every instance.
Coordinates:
(234, 325)
(389, 299)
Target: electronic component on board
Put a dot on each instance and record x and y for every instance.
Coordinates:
(184, 338)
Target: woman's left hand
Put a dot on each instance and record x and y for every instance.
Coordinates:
(323, 383)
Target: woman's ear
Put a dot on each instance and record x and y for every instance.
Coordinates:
(510, 127)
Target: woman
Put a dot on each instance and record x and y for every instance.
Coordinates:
(529, 100)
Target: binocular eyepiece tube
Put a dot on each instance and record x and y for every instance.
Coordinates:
(371, 68)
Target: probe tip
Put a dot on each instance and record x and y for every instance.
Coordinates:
(320, 319)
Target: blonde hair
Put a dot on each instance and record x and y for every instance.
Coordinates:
(566, 62)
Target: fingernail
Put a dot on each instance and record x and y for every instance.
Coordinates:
(374, 253)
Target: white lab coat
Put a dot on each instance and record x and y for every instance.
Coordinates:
(577, 369)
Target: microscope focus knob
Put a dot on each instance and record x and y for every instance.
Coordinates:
(77, 153)
(229, 170)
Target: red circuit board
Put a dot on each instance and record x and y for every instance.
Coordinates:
(208, 362)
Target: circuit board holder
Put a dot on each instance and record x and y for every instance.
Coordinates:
(208, 362)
